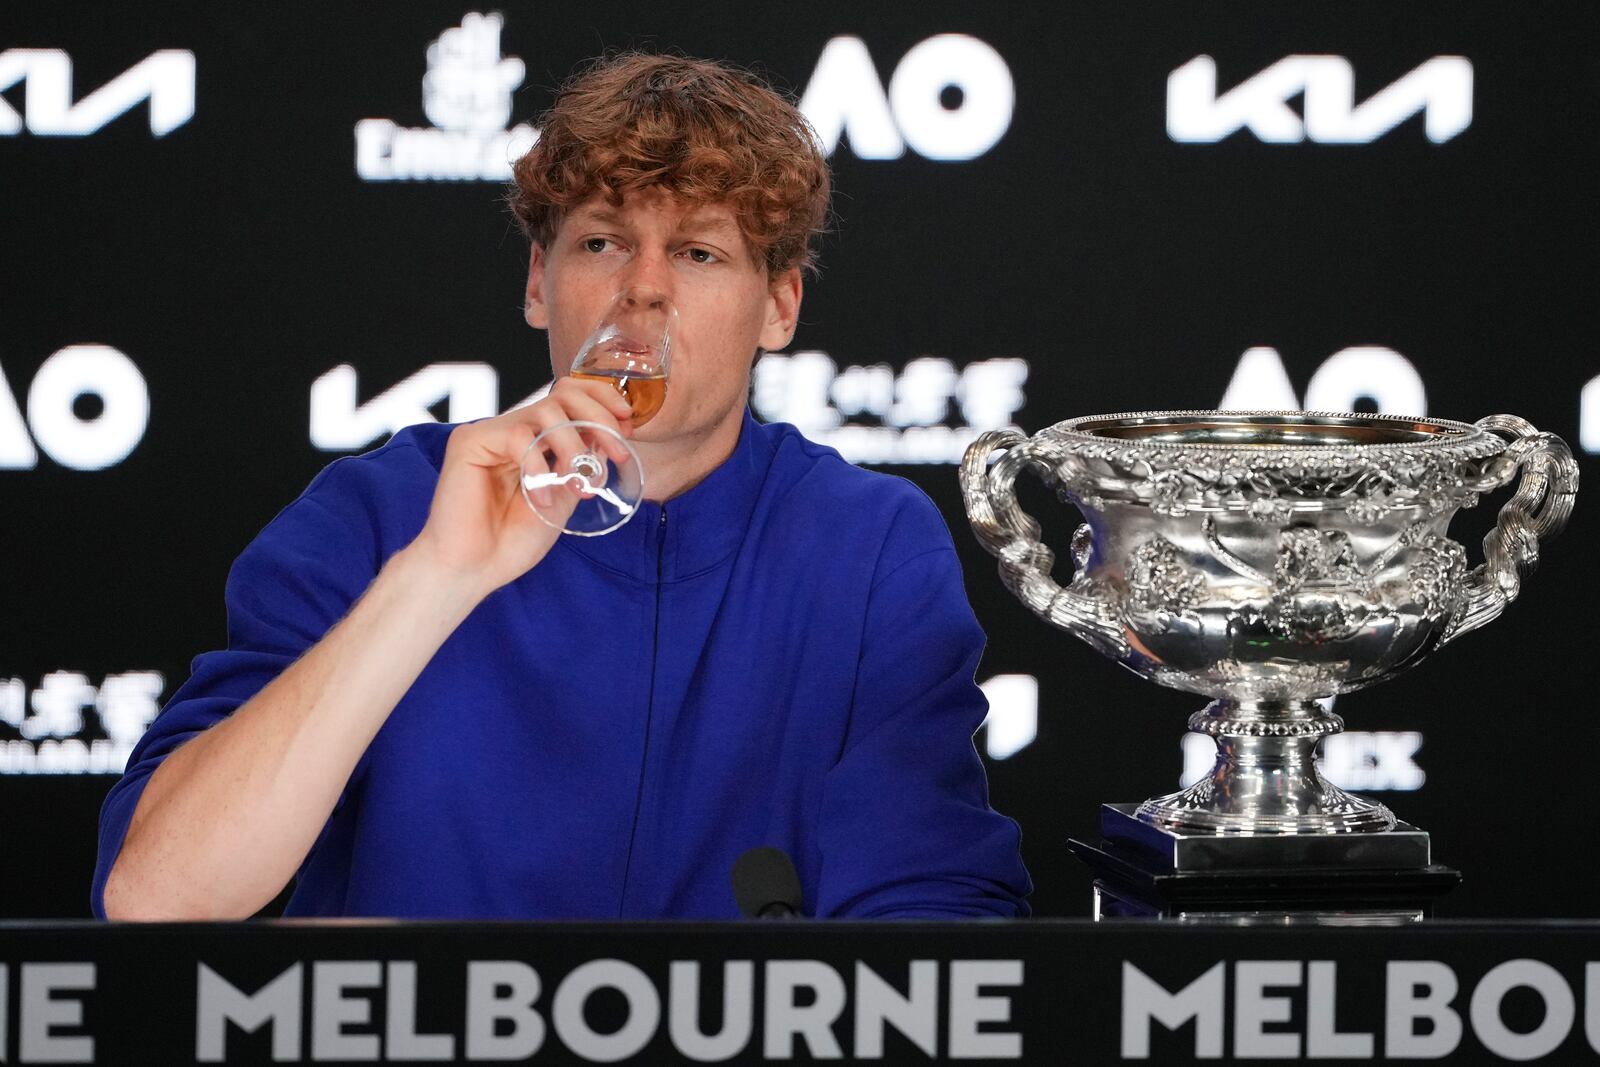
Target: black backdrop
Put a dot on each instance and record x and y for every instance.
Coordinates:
(238, 257)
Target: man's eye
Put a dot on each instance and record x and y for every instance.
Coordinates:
(596, 244)
(701, 255)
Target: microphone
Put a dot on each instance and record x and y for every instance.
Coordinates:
(765, 884)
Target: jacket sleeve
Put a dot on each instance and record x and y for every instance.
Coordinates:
(294, 581)
(906, 830)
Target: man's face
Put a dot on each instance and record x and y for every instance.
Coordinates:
(728, 307)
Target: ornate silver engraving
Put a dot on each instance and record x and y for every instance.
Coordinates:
(1438, 577)
(1266, 559)
(1310, 556)
(1319, 593)
(1158, 580)
(1174, 475)
(1082, 545)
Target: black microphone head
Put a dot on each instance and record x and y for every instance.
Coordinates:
(765, 884)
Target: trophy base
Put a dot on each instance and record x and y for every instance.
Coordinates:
(1405, 846)
(1144, 871)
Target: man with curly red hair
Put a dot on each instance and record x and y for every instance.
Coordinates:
(432, 705)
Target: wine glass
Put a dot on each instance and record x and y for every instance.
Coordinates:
(630, 349)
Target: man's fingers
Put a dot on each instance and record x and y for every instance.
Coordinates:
(587, 409)
(519, 438)
(561, 445)
(493, 442)
(535, 477)
(604, 393)
(504, 441)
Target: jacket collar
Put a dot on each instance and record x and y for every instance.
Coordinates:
(703, 526)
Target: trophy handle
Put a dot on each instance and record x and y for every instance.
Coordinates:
(1011, 535)
(1538, 509)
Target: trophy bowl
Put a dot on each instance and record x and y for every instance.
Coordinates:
(1266, 560)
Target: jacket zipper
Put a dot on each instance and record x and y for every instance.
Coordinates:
(649, 714)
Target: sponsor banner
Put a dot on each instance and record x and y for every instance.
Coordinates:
(1440, 89)
(949, 100)
(466, 95)
(1363, 761)
(164, 79)
(1022, 991)
(926, 412)
(68, 725)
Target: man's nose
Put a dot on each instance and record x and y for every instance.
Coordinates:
(649, 270)
(644, 298)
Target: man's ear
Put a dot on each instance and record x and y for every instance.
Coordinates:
(783, 310)
(534, 308)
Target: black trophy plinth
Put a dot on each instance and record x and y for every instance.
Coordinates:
(1142, 871)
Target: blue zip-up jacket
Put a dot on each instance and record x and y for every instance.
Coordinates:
(783, 655)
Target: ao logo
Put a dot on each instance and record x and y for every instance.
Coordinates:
(845, 98)
(165, 78)
(1441, 88)
(85, 444)
(1382, 375)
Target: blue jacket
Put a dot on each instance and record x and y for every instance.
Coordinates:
(781, 656)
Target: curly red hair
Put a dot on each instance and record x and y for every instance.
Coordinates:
(702, 130)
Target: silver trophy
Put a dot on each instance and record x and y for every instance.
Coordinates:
(1266, 560)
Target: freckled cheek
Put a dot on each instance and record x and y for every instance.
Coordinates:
(712, 368)
(698, 345)
(564, 343)
(577, 313)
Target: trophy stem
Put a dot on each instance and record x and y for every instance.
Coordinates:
(1265, 780)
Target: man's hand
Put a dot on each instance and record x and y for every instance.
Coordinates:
(226, 820)
(479, 529)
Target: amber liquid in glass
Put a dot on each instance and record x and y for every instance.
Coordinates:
(645, 393)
